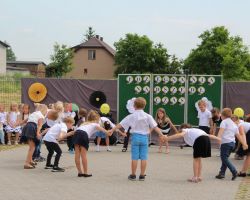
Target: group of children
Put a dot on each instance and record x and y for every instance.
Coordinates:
(53, 124)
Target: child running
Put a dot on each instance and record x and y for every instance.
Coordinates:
(81, 141)
(140, 123)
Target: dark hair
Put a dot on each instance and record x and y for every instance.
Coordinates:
(185, 125)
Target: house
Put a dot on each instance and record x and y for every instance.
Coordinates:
(34, 68)
(93, 59)
(3, 47)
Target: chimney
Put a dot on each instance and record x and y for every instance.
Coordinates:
(97, 36)
(101, 38)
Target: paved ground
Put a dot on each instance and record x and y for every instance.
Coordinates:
(166, 178)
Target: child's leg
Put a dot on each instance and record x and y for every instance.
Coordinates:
(160, 145)
(107, 143)
(143, 153)
(30, 152)
(134, 166)
(143, 166)
(77, 159)
(9, 138)
(98, 141)
(226, 150)
(200, 168)
(196, 166)
(50, 153)
(246, 164)
(167, 147)
(58, 151)
(83, 154)
(16, 137)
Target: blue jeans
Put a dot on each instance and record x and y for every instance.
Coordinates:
(225, 151)
(139, 146)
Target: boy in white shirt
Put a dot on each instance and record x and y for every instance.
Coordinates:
(140, 123)
(54, 134)
(228, 131)
(205, 118)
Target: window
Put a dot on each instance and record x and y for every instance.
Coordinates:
(85, 71)
(91, 54)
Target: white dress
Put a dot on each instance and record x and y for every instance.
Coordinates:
(13, 117)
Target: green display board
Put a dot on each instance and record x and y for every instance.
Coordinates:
(200, 86)
(169, 93)
(132, 85)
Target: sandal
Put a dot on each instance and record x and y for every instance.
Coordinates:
(28, 167)
(33, 163)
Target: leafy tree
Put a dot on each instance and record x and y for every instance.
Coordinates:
(138, 54)
(61, 61)
(220, 53)
(10, 55)
(90, 33)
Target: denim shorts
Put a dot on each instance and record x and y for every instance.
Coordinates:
(100, 134)
(139, 146)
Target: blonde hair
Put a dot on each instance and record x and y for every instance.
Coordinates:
(53, 115)
(42, 108)
(69, 120)
(13, 104)
(202, 102)
(82, 112)
(93, 116)
(235, 118)
(140, 103)
(226, 112)
(58, 106)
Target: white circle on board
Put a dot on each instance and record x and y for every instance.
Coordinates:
(173, 100)
(146, 79)
(157, 79)
(165, 89)
(129, 79)
(182, 90)
(157, 89)
(192, 90)
(138, 79)
(173, 79)
(173, 90)
(146, 89)
(165, 79)
(182, 79)
(181, 101)
(193, 79)
(138, 89)
(157, 100)
(201, 90)
(165, 100)
(202, 80)
(211, 80)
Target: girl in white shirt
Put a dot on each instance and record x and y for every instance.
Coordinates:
(200, 142)
(81, 141)
(2, 123)
(31, 132)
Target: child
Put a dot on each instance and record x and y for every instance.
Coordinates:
(244, 129)
(140, 123)
(228, 131)
(81, 141)
(216, 119)
(54, 134)
(200, 142)
(165, 124)
(58, 106)
(69, 113)
(31, 132)
(2, 123)
(205, 118)
(24, 114)
(82, 114)
(13, 126)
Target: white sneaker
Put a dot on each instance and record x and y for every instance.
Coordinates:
(97, 148)
(9, 143)
(16, 143)
(108, 149)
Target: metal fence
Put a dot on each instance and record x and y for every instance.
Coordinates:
(10, 91)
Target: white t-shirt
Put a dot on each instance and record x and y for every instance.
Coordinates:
(89, 128)
(105, 119)
(54, 132)
(204, 117)
(230, 130)
(3, 117)
(35, 116)
(245, 125)
(191, 134)
(139, 121)
(69, 114)
(13, 116)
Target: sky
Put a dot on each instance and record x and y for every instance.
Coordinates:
(32, 27)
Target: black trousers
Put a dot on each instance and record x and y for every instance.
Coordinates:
(53, 147)
(205, 128)
(126, 139)
(70, 141)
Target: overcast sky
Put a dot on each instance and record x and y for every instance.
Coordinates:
(32, 27)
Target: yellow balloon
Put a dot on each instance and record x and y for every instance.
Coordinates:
(105, 108)
(239, 112)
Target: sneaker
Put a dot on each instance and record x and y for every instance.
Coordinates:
(132, 177)
(234, 176)
(9, 143)
(242, 174)
(84, 175)
(16, 143)
(109, 150)
(71, 152)
(41, 159)
(141, 177)
(48, 167)
(220, 176)
(58, 169)
(97, 148)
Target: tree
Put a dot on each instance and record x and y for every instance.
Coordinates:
(138, 54)
(10, 55)
(61, 61)
(219, 53)
(90, 33)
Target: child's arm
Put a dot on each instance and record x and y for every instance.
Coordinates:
(173, 126)
(45, 131)
(221, 131)
(39, 127)
(118, 126)
(215, 138)
(211, 131)
(175, 136)
(242, 134)
(64, 135)
(109, 133)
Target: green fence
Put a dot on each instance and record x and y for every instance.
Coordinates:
(10, 91)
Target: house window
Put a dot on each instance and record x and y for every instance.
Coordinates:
(85, 71)
(91, 54)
